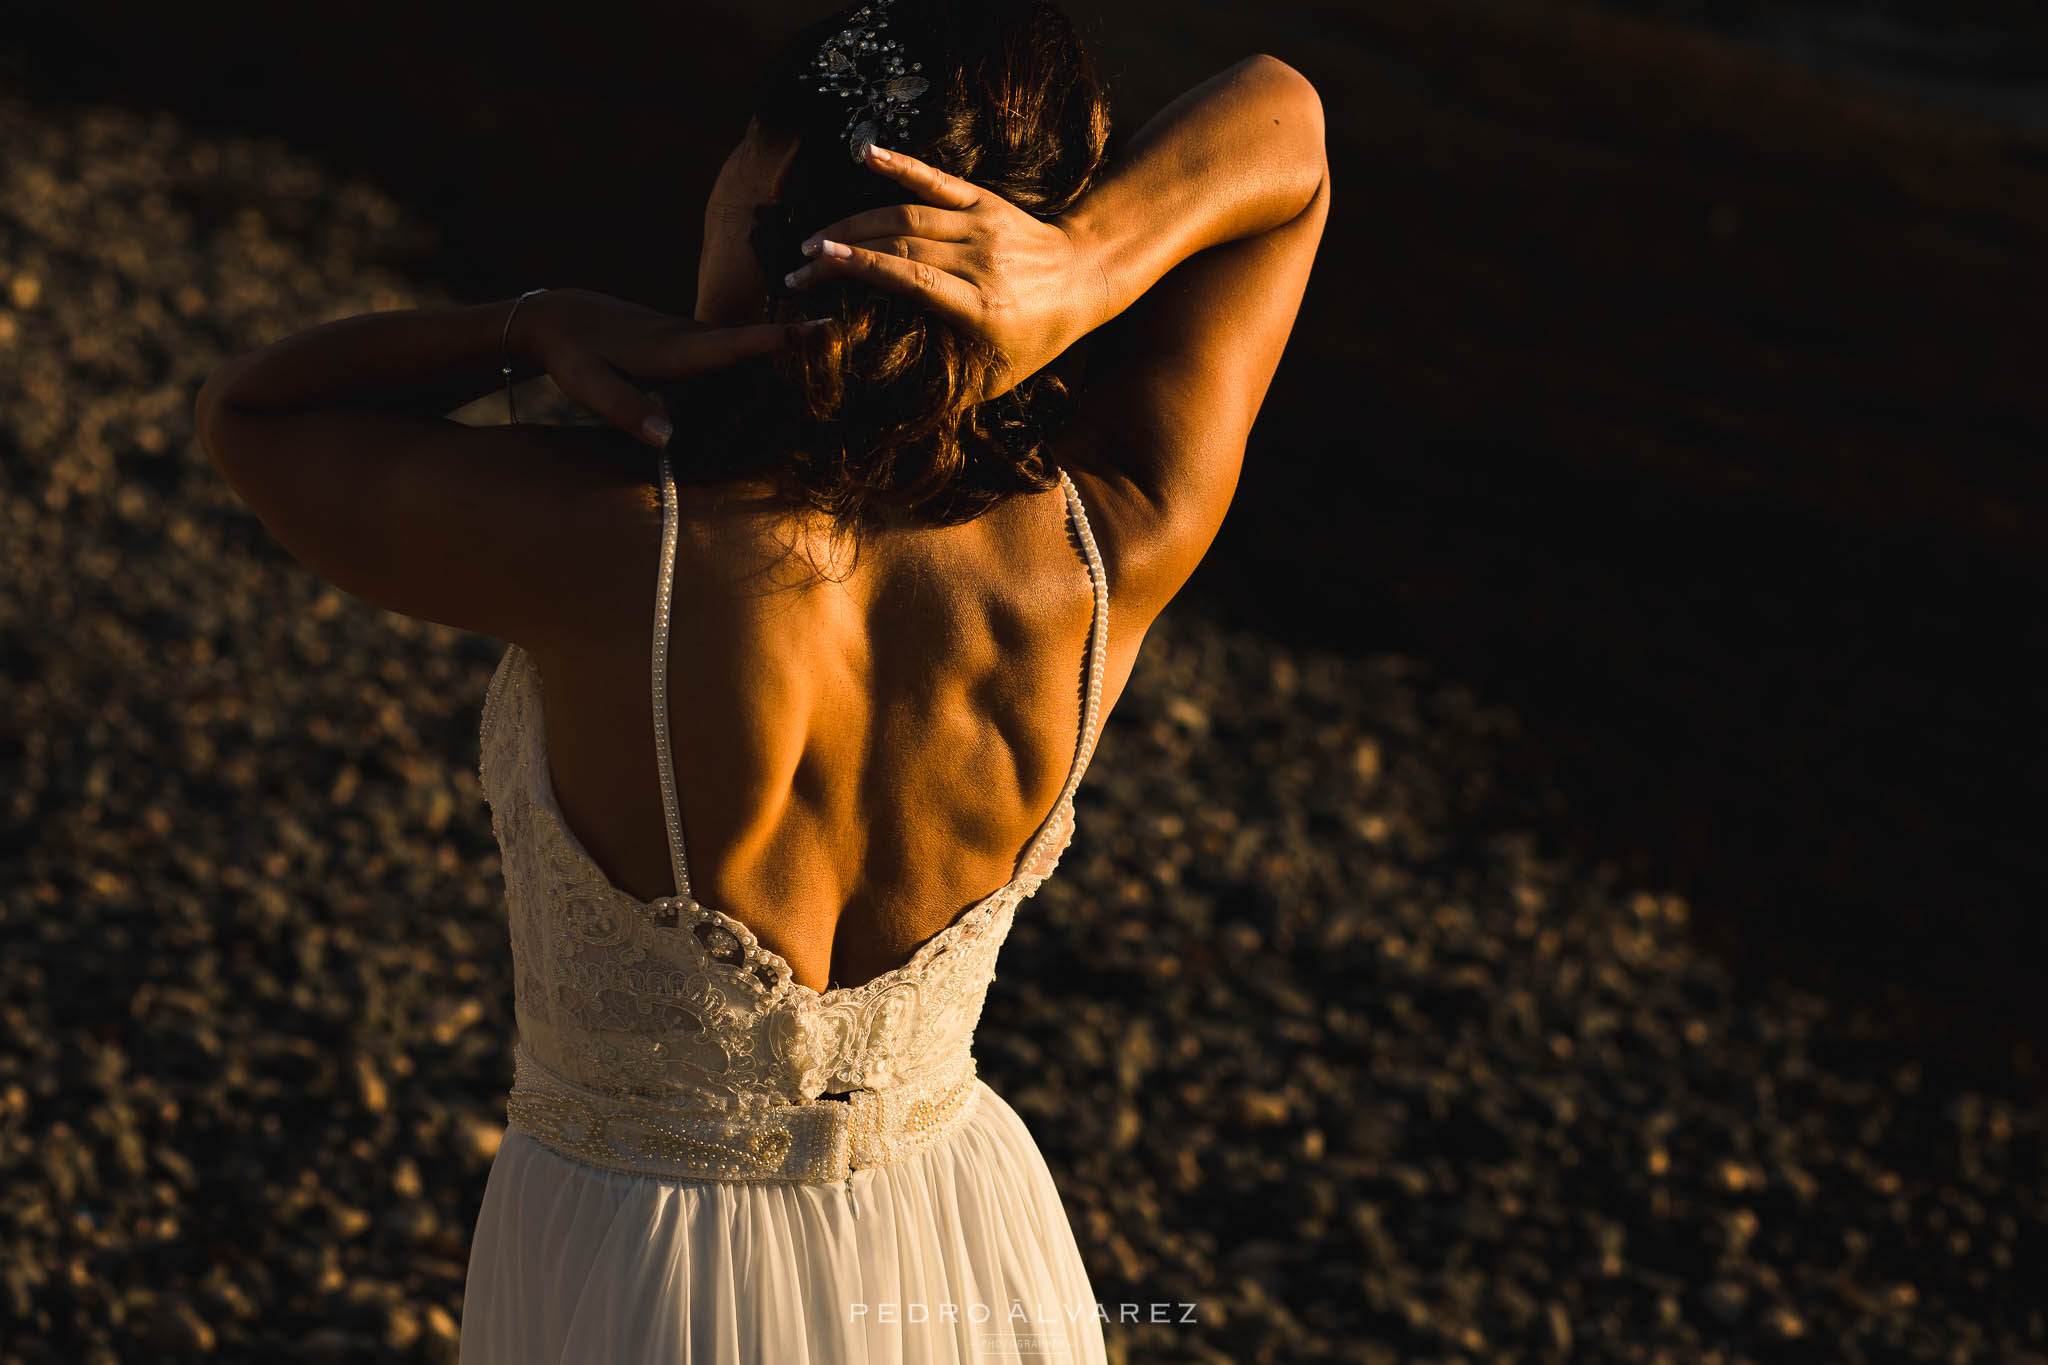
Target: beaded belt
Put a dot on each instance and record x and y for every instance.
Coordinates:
(681, 1139)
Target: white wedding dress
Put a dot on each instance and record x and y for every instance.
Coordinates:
(708, 1162)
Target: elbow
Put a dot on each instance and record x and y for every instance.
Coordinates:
(1298, 88)
(1298, 109)
(207, 408)
(1299, 104)
(204, 409)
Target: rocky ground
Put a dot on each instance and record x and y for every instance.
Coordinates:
(1314, 1033)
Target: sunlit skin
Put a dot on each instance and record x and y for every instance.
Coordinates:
(858, 760)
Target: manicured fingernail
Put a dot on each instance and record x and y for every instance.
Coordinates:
(881, 153)
(815, 324)
(838, 249)
(657, 430)
(810, 247)
(792, 278)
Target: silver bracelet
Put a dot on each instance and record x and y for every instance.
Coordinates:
(505, 352)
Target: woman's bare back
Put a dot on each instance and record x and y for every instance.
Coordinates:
(856, 761)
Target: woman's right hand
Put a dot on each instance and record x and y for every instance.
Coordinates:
(1032, 287)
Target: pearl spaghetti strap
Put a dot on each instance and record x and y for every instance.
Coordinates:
(1098, 649)
(664, 586)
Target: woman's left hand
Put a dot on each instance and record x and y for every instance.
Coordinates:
(603, 351)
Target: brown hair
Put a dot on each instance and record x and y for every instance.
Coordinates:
(878, 412)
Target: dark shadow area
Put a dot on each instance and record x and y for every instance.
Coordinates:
(1684, 400)
(1819, 737)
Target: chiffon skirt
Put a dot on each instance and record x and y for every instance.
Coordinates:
(962, 1253)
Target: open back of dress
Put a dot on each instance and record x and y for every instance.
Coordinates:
(708, 1161)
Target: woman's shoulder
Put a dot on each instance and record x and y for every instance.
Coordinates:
(740, 537)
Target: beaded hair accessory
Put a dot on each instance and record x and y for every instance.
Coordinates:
(884, 93)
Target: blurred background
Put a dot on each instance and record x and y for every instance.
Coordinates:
(1670, 382)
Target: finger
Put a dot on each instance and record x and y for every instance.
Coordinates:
(596, 386)
(712, 348)
(684, 349)
(930, 183)
(955, 258)
(895, 220)
(945, 293)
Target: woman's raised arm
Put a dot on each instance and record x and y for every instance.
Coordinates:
(1207, 228)
(1191, 253)
(1236, 156)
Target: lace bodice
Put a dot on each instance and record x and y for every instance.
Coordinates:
(661, 1036)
